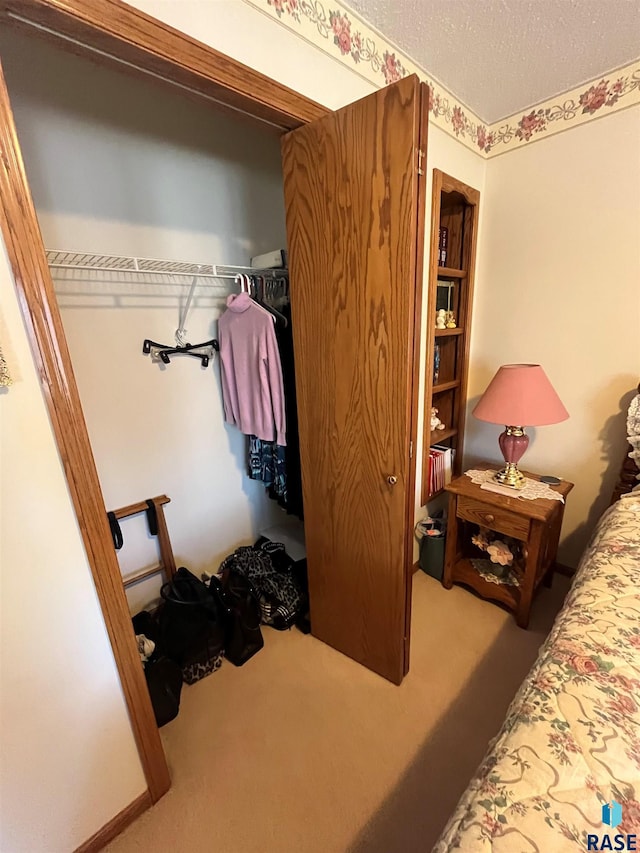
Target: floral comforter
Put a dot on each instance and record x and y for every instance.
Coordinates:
(571, 738)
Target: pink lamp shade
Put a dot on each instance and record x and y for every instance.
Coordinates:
(520, 394)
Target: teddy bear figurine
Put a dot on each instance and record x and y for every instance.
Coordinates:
(436, 423)
(441, 319)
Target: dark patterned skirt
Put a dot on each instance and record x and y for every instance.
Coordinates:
(267, 463)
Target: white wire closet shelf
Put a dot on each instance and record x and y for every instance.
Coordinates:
(58, 259)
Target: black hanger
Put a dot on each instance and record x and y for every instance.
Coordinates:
(164, 350)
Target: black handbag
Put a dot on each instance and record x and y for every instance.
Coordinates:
(164, 680)
(163, 675)
(191, 626)
(240, 603)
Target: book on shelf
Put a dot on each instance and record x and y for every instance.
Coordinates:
(442, 246)
(440, 467)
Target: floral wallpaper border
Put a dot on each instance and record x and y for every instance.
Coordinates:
(346, 37)
(604, 95)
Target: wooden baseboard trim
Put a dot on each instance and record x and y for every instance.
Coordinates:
(416, 566)
(116, 825)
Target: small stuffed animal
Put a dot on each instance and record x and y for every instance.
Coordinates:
(436, 423)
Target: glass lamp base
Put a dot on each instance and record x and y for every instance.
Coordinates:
(513, 443)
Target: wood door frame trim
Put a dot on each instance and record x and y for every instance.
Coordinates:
(423, 142)
(125, 34)
(114, 32)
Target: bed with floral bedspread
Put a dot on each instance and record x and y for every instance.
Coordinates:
(571, 738)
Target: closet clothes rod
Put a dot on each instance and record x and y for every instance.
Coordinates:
(84, 261)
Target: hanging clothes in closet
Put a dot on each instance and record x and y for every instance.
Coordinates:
(273, 454)
(252, 388)
(292, 499)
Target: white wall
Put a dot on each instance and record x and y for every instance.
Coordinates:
(122, 166)
(559, 280)
(68, 761)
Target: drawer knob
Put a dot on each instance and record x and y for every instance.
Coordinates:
(489, 518)
(392, 480)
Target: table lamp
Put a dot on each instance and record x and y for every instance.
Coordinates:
(519, 395)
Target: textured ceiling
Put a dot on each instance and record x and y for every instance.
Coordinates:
(502, 56)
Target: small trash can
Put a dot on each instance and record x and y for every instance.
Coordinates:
(432, 555)
(431, 532)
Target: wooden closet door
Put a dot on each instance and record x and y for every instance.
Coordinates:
(351, 194)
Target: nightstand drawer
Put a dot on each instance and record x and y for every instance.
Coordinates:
(485, 515)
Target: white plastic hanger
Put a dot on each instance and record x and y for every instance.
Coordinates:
(244, 281)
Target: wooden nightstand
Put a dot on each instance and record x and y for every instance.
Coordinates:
(535, 524)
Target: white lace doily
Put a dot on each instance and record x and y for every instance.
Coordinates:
(531, 491)
(5, 376)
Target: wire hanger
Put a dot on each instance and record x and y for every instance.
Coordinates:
(203, 351)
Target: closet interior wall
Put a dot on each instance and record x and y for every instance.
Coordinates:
(129, 167)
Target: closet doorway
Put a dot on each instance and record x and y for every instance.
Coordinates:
(353, 198)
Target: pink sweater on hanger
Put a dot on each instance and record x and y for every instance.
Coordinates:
(251, 372)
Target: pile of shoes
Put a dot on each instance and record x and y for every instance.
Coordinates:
(278, 581)
(197, 623)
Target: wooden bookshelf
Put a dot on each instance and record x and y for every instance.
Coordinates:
(436, 494)
(445, 333)
(445, 386)
(450, 272)
(454, 206)
(438, 436)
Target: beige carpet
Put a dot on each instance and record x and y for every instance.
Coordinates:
(303, 750)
